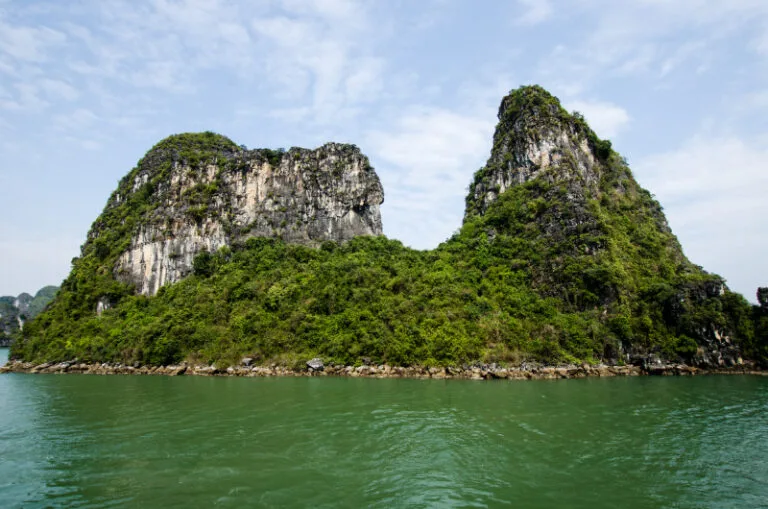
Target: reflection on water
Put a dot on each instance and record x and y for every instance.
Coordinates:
(91, 441)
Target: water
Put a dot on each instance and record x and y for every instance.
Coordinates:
(93, 441)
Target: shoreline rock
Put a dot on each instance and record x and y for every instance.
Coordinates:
(474, 372)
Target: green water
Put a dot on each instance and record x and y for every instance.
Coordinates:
(93, 441)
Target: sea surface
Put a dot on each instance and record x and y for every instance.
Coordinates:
(133, 441)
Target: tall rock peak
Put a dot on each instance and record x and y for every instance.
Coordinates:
(562, 257)
(199, 192)
(535, 137)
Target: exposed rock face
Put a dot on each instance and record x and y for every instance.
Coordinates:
(591, 236)
(301, 196)
(525, 146)
(316, 364)
(22, 303)
(536, 138)
(563, 257)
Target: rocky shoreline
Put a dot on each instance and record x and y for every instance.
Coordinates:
(316, 368)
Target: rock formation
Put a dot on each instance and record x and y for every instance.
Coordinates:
(594, 237)
(202, 192)
(562, 258)
(530, 141)
(15, 311)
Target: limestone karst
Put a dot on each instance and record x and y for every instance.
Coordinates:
(211, 252)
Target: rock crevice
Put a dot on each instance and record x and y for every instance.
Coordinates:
(300, 196)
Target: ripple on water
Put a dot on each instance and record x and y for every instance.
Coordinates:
(88, 441)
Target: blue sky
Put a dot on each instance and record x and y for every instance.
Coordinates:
(87, 87)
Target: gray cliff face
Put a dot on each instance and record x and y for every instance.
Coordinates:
(300, 196)
(576, 203)
(522, 153)
(538, 139)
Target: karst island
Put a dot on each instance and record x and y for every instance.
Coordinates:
(210, 258)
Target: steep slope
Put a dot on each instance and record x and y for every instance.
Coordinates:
(560, 199)
(562, 257)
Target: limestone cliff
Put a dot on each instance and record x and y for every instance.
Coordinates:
(202, 192)
(589, 233)
(533, 140)
(537, 138)
(562, 258)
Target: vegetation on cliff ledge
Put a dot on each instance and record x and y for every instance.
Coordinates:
(554, 270)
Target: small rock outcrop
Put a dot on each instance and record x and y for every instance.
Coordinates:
(316, 364)
(200, 192)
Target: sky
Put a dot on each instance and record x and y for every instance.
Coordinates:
(88, 86)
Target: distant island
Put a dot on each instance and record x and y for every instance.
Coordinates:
(210, 253)
(16, 311)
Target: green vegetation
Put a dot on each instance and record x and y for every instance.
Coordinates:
(469, 300)
(24, 307)
(557, 269)
(41, 299)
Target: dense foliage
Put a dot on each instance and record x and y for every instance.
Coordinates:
(553, 270)
(471, 299)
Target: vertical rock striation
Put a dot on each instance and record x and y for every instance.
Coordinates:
(201, 192)
(534, 138)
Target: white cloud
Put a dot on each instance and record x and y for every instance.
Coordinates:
(85, 144)
(681, 55)
(320, 49)
(364, 83)
(758, 99)
(649, 36)
(28, 44)
(761, 41)
(28, 97)
(32, 93)
(426, 162)
(58, 89)
(713, 192)
(164, 75)
(76, 121)
(312, 56)
(606, 119)
(348, 12)
(536, 12)
(164, 44)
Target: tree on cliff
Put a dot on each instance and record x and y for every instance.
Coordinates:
(562, 257)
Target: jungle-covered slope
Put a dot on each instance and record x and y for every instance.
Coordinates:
(562, 257)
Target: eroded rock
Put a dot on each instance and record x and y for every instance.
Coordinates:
(300, 196)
